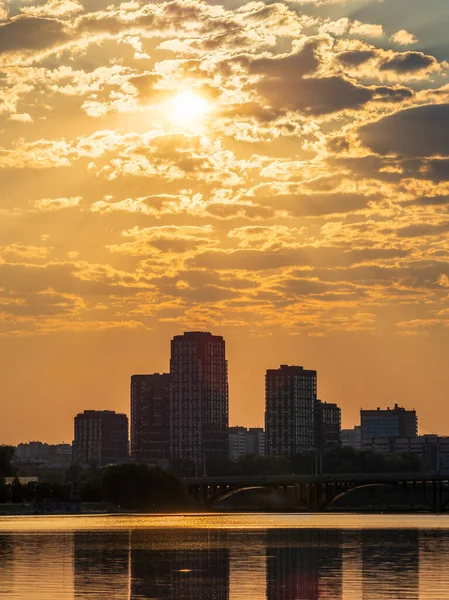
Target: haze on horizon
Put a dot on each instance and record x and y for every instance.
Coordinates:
(273, 172)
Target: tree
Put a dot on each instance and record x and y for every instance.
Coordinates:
(6, 458)
(136, 486)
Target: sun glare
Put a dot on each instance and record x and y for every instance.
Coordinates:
(188, 108)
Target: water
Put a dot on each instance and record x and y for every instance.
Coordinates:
(225, 557)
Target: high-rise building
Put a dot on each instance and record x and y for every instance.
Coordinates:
(150, 418)
(290, 396)
(244, 442)
(395, 422)
(198, 401)
(327, 426)
(101, 437)
(352, 438)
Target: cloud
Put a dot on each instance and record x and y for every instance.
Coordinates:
(403, 38)
(57, 203)
(420, 131)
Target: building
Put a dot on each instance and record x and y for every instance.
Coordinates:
(396, 422)
(255, 441)
(432, 450)
(55, 455)
(101, 437)
(198, 402)
(150, 418)
(237, 443)
(352, 438)
(327, 426)
(245, 442)
(290, 396)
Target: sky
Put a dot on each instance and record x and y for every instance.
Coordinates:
(273, 172)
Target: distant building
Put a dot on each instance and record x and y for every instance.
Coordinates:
(352, 438)
(290, 396)
(396, 422)
(42, 453)
(237, 443)
(101, 437)
(244, 442)
(150, 418)
(327, 426)
(433, 450)
(255, 441)
(198, 401)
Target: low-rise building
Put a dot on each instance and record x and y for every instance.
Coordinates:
(352, 438)
(244, 442)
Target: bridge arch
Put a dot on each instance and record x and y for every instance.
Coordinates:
(352, 488)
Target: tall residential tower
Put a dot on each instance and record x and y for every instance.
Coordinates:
(290, 397)
(198, 401)
(150, 418)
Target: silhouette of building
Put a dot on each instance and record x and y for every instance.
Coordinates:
(290, 396)
(244, 442)
(395, 422)
(327, 426)
(352, 438)
(101, 437)
(198, 401)
(150, 418)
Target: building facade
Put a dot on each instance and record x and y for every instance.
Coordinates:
(101, 438)
(290, 397)
(327, 426)
(396, 422)
(198, 401)
(246, 442)
(150, 418)
(352, 438)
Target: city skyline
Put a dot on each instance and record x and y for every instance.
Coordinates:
(105, 406)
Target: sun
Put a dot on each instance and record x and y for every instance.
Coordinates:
(187, 108)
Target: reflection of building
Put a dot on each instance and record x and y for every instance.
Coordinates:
(40, 566)
(305, 564)
(198, 401)
(327, 426)
(101, 565)
(290, 396)
(189, 565)
(244, 442)
(390, 562)
(150, 417)
(101, 437)
(352, 438)
(396, 422)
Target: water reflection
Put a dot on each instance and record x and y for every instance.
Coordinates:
(225, 564)
(304, 564)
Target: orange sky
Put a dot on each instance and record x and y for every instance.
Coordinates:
(276, 173)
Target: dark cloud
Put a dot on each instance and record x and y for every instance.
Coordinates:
(408, 62)
(255, 260)
(293, 66)
(31, 33)
(314, 205)
(421, 131)
(356, 57)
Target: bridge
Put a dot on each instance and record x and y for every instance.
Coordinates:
(318, 492)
